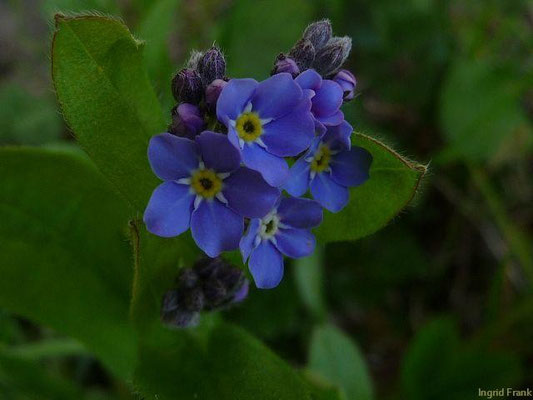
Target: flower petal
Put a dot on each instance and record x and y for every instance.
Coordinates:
(248, 194)
(292, 133)
(172, 157)
(328, 99)
(338, 137)
(351, 168)
(266, 265)
(333, 119)
(300, 213)
(273, 168)
(276, 96)
(168, 212)
(215, 228)
(247, 242)
(328, 193)
(298, 180)
(233, 98)
(217, 152)
(295, 243)
(309, 79)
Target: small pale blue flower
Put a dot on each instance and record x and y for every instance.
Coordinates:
(205, 188)
(326, 96)
(267, 121)
(329, 167)
(285, 230)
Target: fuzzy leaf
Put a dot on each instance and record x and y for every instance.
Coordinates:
(107, 100)
(393, 183)
(336, 358)
(64, 257)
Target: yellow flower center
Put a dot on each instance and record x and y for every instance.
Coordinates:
(321, 159)
(248, 126)
(206, 183)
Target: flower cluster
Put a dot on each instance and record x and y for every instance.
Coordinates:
(224, 159)
(211, 284)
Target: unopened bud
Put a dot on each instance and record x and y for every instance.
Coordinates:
(212, 66)
(330, 58)
(187, 121)
(215, 293)
(212, 93)
(194, 59)
(187, 278)
(174, 314)
(318, 33)
(285, 64)
(303, 53)
(187, 86)
(193, 299)
(347, 82)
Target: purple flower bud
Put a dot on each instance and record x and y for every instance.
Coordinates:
(187, 121)
(212, 92)
(194, 300)
(347, 82)
(194, 59)
(212, 66)
(303, 53)
(242, 293)
(330, 58)
(318, 33)
(285, 64)
(187, 86)
(174, 314)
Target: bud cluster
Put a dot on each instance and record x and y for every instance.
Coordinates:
(196, 89)
(211, 284)
(318, 49)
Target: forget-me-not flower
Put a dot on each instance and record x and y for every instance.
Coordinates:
(285, 230)
(206, 189)
(326, 96)
(329, 167)
(267, 121)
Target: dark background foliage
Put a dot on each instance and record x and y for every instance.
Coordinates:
(440, 301)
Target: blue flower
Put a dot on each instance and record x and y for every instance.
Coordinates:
(329, 167)
(205, 189)
(267, 121)
(326, 96)
(283, 231)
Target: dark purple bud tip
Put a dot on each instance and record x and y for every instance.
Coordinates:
(212, 65)
(285, 64)
(347, 82)
(174, 314)
(318, 33)
(187, 278)
(193, 299)
(303, 53)
(187, 86)
(187, 121)
(330, 58)
(212, 93)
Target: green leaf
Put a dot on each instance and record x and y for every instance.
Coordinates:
(221, 362)
(308, 274)
(336, 358)
(64, 260)
(23, 379)
(251, 46)
(393, 183)
(107, 100)
(321, 389)
(481, 114)
(155, 29)
(439, 366)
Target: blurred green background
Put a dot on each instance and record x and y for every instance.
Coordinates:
(440, 302)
